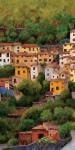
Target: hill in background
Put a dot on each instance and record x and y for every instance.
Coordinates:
(18, 11)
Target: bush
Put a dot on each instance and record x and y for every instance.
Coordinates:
(12, 142)
(64, 130)
(33, 113)
(26, 124)
(61, 115)
(46, 115)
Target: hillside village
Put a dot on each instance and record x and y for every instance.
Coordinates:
(57, 62)
(40, 116)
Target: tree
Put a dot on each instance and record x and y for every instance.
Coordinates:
(61, 115)
(11, 34)
(71, 86)
(28, 87)
(45, 87)
(62, 31)
(41, 78)
(64, 130)
(12, 142)
(26, 124)
(46, 115)
(7, 71)
(24, 36)
(33, 110)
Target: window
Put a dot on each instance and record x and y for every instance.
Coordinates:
(18, 72)
(12, 60)
(61, 62)
(73, 39)
(0, 54)
(57, 88)
(52, 89)
(47, 74)
(45, 59)
(14, 80)
(73, 34)
(40, 59)
(23, 71)
(49, 59)
(7, 54)
(7, 47)
(8, 60)
(33, 76)
(33, 68)
(40, 136)
(25, 60)
(17, 61)
(18, 47)
(4, 60)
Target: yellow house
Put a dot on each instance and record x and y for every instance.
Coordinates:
(30, 48)
(22, 71)
(72, 75)
(57, 86)
(67, 47)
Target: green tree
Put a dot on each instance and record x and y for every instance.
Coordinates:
(64, 130)
(11, 34)
(7, 71)
(61, 115)
(33, 110)
(28, 87)
(46, 115)
(41, 78)
(26, 124)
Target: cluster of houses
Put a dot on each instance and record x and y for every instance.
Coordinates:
(57, 62)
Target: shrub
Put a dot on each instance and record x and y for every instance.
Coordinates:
(12, 142)
(64, 130)
(26, 124)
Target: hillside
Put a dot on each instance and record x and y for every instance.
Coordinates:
(18, 11)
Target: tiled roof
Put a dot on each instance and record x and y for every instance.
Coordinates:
(46, 126)
(30, 46)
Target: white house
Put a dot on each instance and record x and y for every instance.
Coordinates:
(5, 58)
(34, 72)
(72, 36)
(51, 72)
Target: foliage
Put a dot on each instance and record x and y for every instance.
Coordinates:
(29, 114)
(25, 101)
(7, 71)
(26, 124)
(41, 78)
(72, 86)
(28, 87)
(12, 142)
(11, 35)
(62, 114)
(46, 115)
(64, 130)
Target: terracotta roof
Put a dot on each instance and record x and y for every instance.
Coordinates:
(46, 126)
(30, 46)
(10, 44)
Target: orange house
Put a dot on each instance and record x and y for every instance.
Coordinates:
(24, 59)
(49, 130)
(57, 86)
